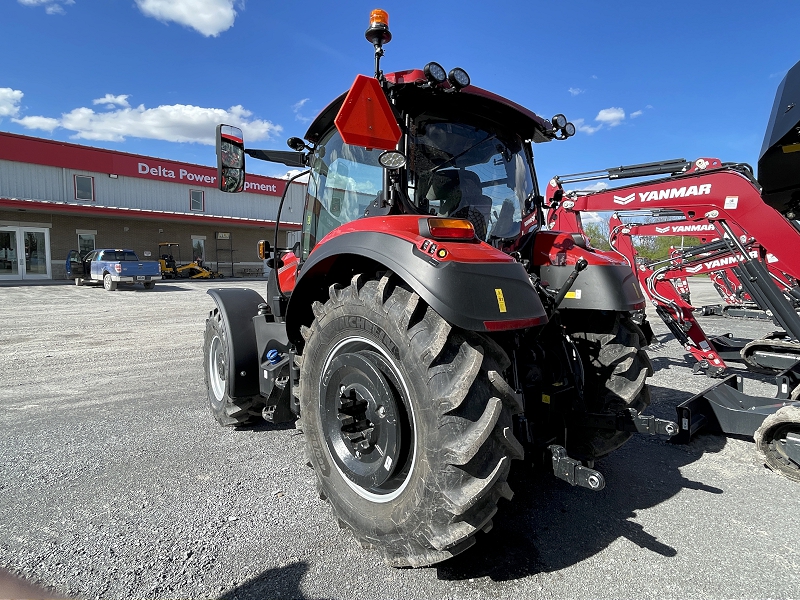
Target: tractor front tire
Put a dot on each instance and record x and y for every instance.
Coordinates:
(771, 441)
(615, 369)
(408, 421)
(229, 412)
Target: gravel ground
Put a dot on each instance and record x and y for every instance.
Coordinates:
(115, 482)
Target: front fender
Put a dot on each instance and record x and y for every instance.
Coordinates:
(237, 307)
(472, 295)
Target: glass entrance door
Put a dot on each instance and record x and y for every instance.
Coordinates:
(25, 253)
(9, 263)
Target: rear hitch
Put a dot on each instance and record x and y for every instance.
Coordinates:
(628, 420)
(573, 472)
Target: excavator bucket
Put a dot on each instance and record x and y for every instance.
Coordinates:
(779, 161)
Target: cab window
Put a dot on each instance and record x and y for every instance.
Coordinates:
(344, 181)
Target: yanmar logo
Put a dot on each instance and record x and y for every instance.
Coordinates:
(720, 263)
(685, 228)
(668, 194)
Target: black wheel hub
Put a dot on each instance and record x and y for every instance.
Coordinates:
(365, 424)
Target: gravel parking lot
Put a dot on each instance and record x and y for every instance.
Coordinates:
(115, 482)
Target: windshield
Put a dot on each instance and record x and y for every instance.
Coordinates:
(463, 171)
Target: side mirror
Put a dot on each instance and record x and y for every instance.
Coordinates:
(230, 158)
(264, 249)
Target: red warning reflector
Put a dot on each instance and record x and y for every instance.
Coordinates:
(366, 119)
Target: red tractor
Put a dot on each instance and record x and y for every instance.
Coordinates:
(427, 331)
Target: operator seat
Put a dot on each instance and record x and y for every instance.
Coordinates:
(460, 195)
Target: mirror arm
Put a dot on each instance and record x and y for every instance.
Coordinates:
(285, 157)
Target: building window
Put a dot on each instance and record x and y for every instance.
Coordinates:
(84, 187)
(86, 243)
(197, 200)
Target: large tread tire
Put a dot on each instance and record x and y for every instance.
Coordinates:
(615, 371)
(771, 434)
(229, 412)
(459, 415)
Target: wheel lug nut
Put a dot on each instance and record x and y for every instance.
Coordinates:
(381, 412)
(358, 454)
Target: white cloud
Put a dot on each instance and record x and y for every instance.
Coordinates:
(637, 113)
(292, 172)
(581, 126)
(51, 7)
(610, 116)
(576, 91)
(174, 123)
(208, 17)
(296, 109)
(9, 102)
(110, 101)
(43, 123)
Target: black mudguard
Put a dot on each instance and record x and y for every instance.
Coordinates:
(464, 294)
(598, 287)
(238, 306)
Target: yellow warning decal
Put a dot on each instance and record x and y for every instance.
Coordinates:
(572, 295)
(791, 148)
(545, 398)
(501, 302)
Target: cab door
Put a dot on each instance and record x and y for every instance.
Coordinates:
(75, 268)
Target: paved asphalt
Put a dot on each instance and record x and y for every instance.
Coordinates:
(115, 482)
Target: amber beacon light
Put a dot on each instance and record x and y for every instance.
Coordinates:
(378, 32)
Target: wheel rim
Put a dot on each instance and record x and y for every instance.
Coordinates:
(217, 371)
(367, 419)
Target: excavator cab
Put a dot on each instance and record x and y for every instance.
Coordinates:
(779, 161)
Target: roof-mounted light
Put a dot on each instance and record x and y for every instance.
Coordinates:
(458, 78)
(569, 129)
(378, 32)
(559, 121)
(435, 73)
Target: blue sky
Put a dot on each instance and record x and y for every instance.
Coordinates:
(643, 81)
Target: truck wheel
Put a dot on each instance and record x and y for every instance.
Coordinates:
(771, 441)
(108, 283)
(226, 410)
(615, 369)
(408, 421)
(149, 285)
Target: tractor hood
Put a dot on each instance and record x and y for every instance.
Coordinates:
(779, 161)
(410, 94)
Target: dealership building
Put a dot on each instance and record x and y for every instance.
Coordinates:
(56, 197)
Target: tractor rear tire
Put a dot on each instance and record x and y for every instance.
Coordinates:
(408, 421)
(615, 369)
(229, 412)
(771, 437)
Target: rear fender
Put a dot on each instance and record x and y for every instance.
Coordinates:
(472, 295)
(237, 308)
(608, 283)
